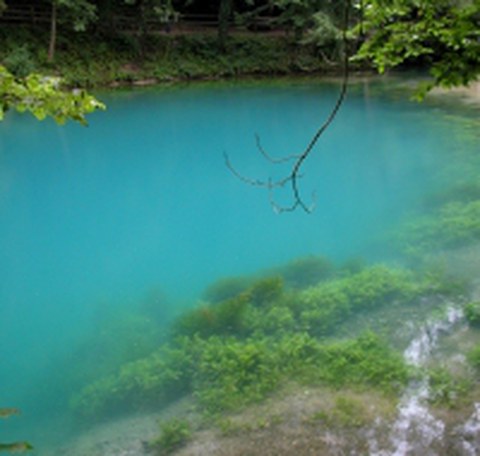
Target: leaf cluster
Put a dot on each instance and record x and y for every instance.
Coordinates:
(77, 13)
(44, 97)
(441, 34)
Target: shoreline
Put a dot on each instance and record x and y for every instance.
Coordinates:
(469, 94)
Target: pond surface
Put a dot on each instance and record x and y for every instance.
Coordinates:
(142, 202)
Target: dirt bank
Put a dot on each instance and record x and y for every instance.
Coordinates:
(468, 94)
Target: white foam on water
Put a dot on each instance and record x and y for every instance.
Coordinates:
(421, 348)
(470, 433)
(416, 430)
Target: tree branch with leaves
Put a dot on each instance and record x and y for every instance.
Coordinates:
(44, 96)
(441, 35)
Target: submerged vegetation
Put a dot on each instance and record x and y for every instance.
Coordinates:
(235, 352)
(452, 225)
(449, 218)
(472, 313)
(266, 338)
(174, 434)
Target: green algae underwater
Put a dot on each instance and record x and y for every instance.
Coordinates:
(137, 271)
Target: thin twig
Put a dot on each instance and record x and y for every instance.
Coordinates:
(270, 158)
(255, 182)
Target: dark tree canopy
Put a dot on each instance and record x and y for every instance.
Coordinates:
(440, 35)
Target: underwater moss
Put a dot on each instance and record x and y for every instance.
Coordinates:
(225, 289)
(266, 291)
(307, 271)
(447, 389)
(353, 265)
(276, 320)
(153, 381)
(366, 360)
(462, 192)
(227, 317)
(473, 357)
(235, 352)
(224, 374)
(232, 373)
(232, 316)
(174, 434)
(454, 224)
(472, 313)
(117, 337)
(323, 308)
(377, 285)
(347, 412)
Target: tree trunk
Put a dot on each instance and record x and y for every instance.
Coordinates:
(53, 32)
(143, 29)
(225, 10)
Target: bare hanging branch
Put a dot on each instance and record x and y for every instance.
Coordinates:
(298, 159)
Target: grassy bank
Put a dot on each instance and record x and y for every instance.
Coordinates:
(88, 61)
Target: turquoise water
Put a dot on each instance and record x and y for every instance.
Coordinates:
(100, 217)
